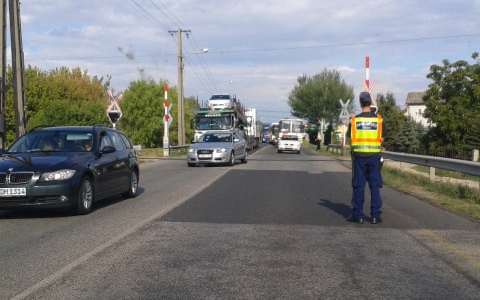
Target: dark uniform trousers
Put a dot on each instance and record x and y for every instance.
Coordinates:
(366, 169)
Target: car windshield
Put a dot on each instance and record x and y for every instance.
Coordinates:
(216, 137)
(53, 141)
(209, 123)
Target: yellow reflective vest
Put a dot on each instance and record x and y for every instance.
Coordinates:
(366, 134)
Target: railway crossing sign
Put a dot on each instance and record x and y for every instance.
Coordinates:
(344, 116)
(114, 113)
(167, 116)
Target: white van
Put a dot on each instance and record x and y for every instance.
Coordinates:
(289, 142)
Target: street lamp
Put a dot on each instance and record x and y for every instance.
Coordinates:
(181, 114)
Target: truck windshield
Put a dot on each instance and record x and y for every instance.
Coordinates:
(212, 123)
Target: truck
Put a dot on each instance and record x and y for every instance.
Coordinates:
(251, 129)
(265, 130)
(273, 133)
(222, 112)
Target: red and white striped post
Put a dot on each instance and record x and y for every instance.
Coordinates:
(367, 72)
(166, 143)
(366, 82)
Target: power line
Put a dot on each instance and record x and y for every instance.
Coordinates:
(349, 44)
(170, 15)
(285, 48)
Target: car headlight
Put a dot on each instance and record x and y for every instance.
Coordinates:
(191, 150)
(57, 175)
(221, 150)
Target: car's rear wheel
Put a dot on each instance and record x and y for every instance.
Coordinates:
(231, 161)
(132, 190)
(85, 197)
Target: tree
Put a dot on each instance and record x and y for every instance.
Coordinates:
(453, 105)
(143, 112)
(80, 99)
(393, 118)
(316, 98)
(409, 138)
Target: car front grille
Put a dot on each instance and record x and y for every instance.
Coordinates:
(205, 151)
(15, 178)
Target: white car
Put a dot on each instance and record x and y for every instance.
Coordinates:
(289, 143)
(218, 147)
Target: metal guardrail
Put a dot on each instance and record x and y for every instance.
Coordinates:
(467, 167)
(463, 166)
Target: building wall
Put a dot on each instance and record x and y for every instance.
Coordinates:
(416, 113)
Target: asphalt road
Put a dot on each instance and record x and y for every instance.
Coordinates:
(273, 228)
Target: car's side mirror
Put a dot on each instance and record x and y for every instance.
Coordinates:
(108, 149)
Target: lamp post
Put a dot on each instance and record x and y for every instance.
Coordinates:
(181, 114)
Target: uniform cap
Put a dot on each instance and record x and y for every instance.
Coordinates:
(365, 97)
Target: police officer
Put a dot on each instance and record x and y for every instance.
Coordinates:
(366, 132)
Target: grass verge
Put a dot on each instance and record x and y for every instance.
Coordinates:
(158, 152)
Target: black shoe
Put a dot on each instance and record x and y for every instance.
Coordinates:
(355, 220)
(376, 220)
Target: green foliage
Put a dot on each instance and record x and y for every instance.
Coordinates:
(143, 110)
(393, 118)
(71, 113)
(57, 97)
(409, 137)
(315, 98)
(66, 96)
(453, 105)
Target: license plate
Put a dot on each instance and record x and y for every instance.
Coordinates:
(204, 156)
(7, 192)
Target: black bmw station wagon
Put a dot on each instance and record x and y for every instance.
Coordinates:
(67, 167)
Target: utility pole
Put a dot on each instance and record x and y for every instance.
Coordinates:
(181, 112)
(18, 68)
(3, 71)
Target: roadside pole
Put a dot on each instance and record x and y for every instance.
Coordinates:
(366, 85)
(344, 117)
(167, 120)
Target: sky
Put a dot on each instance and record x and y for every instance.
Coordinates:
(256, 49)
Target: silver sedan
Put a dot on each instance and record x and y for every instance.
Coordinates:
(218, 147)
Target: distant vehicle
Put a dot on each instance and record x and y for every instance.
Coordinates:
(218, 147)
(273, 133)
(67, 167)
(289, 142)
(223, 112)
(251, 129)
(292, 127)
(264, 134)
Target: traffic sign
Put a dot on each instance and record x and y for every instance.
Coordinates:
(344, 116)
(114, 113)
